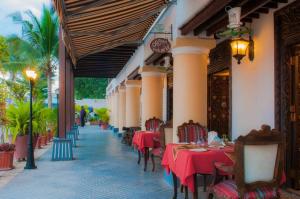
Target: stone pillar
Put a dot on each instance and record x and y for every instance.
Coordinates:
(152, 92)
(116, 108)
(133, 103)
(108, 100)
(122, 107)
(190, 81)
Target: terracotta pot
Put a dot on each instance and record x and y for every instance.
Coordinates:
(43, 140)
(38, 143)
(6, 160)
(50, 136)
(21, 147)
(104, 126)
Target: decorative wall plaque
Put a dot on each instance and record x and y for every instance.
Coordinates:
(160, 45)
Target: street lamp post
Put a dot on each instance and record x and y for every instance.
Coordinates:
(30, 164)
(57, 98)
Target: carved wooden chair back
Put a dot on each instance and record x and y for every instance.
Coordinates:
(153, 124)
(259, 160)
(162, 135)
(191, 132)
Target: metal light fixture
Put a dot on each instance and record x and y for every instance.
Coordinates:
(30, 164)
(239, 48)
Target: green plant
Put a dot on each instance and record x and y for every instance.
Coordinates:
(77, 108)
(3, 92)
(18, 118)
(93, 88)
(103, 114)
(3, 50)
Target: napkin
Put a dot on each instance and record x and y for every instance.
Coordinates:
(213, 138)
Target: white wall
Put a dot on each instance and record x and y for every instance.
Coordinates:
(253, 82)
(95, 103)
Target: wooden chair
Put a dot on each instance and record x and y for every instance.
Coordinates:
(258, 169)
(159, 150)
(153, 124)
(192, 132)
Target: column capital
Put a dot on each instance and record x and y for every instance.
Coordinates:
(152, 71)
(192, 45)
(133, 83)
(121, 88)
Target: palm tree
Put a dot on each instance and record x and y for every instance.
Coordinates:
(42, 34)
(21, 55)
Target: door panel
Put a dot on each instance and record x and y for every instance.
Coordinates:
(218, 104)
(294, 137)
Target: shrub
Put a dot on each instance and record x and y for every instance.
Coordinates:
(7, 147)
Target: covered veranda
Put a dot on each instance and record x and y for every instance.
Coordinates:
(200, 78)
(102, 169)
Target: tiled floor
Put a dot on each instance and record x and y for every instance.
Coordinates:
(103, 169)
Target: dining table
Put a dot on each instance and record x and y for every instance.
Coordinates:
(143, 141)
(185, 161)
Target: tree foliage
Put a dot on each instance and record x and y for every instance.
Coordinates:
(3, 50)
(42, 34)
(92, 88)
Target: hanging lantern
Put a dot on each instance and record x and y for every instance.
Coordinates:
(239, 48)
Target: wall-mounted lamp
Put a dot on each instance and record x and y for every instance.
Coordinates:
(236, 31)
(239, 48)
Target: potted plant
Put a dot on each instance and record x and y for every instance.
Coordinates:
(6, 156)
(41, 118)
(103, 114)
(17, 122)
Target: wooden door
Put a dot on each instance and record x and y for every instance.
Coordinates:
(218, 103)
(293, 139)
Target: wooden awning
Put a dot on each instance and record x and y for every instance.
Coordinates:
(214, 17)
(96, 30)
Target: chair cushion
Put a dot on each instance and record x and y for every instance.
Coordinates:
(228, 190)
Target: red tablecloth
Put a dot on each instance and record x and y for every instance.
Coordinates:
(142, 139)
(189, 163)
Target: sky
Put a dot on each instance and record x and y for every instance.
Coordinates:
(8, 7)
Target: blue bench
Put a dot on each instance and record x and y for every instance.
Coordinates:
(76, 132)
(72, 136)
(62, 149)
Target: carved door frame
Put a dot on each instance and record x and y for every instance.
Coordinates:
(287, 34)
(220, 59)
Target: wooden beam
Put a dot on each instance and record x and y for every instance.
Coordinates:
(263, 10)
(246, 10)
(247, 20)
(62, 88)
(272, 5)
(220, 16)
(254, 15)
(210, 10)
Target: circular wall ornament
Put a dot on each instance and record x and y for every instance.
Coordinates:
(160, 45)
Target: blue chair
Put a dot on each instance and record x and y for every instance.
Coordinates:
(62, 149)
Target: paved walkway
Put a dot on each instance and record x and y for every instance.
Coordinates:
(103, 169)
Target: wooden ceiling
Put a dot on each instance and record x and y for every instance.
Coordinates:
(214, 18)
(101, 35)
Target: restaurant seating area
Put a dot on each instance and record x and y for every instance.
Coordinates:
(250, 167)
(188, 84)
